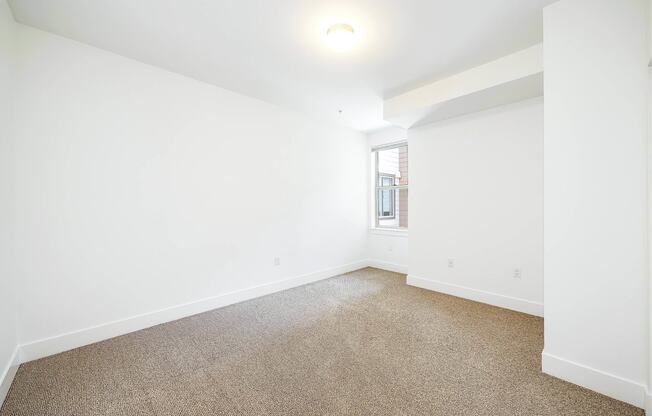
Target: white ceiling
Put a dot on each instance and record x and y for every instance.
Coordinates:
(274, 49)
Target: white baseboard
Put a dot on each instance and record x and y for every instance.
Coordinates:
(385, 265)
(64, 342)
(610, 385)
(495, 299)
(8, 375)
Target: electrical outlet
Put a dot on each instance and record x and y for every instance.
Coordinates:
(518, 273)
(451, 263)
(277, 261)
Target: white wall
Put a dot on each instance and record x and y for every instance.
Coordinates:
(385, 248)
(596, 133)
(8, 334)
(476, 197)
(139, 190)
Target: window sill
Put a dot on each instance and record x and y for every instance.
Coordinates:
(394, 232)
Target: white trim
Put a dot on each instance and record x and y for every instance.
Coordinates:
(495, 299)
(611, 385)
(389, 146)
(64, 342)
(9, 374)
(608, 384)
(385, 265)
(392, 232)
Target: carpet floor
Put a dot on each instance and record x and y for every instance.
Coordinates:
(363, 343)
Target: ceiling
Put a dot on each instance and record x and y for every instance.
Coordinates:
(274, 49)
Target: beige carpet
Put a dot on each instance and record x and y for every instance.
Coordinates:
(358, 344)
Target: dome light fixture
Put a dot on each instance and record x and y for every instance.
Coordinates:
(341, 36)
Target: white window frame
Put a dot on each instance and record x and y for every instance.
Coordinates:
(392, 197)
(378, 187)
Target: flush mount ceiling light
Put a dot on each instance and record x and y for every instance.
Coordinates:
(340, 36)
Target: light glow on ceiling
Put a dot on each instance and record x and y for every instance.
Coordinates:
(341, 37)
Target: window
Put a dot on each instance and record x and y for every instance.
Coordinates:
(391, 185)
(386, 197)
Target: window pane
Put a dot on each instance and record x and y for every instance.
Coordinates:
(393, 163)
(394, 202)
(386, 203)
